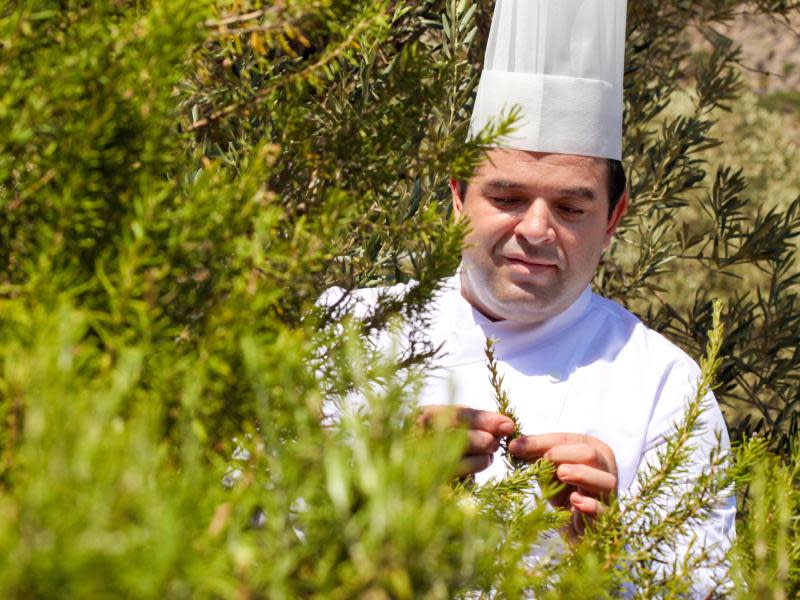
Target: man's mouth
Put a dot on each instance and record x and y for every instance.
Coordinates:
(531, 263)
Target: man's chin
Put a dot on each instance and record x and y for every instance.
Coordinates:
(530, 290)
(525, 305)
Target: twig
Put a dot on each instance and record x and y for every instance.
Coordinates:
(236, 19)
(264, 92)
(503, 405)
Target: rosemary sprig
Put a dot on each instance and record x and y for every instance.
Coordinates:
(503, 405)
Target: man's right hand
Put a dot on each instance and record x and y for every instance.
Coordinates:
(484, 430)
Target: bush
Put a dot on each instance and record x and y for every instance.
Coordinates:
(181, 180)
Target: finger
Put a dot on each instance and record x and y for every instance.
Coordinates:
(535, 446)
(481, 442)
(586, 505)
(443, 416)
(596, 482)
(494, 423)
(561, 498)
(549, 446)
(583, 454)
(469, 465)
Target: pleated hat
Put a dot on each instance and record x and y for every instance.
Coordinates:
(561, 63)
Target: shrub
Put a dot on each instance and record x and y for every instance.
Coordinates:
(181, 180)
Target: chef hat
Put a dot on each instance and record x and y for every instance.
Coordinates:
(561, 62)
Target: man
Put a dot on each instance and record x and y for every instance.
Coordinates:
(539, 224)
(596, 392)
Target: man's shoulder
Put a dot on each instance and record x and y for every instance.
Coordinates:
(649, 345)
(651, 362)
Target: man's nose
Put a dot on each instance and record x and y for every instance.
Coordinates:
(536, 224)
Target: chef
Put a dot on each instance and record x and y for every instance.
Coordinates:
(595, 391)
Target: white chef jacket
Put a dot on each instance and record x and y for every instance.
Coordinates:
(594, 369)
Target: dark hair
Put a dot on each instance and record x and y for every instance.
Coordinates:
(617, 182)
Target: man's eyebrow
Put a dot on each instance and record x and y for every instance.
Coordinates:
(504, 184)
(507, 185)
(584, 193)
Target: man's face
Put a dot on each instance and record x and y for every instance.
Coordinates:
(539, 224)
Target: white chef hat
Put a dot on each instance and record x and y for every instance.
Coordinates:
(561, 62)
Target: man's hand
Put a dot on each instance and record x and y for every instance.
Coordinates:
(585, 464)
(484, 430)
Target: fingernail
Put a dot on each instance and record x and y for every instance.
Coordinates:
(564, 471)
(507, 428)
(514, 446)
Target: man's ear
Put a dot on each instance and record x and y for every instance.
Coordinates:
(458, 201)
(616, 217)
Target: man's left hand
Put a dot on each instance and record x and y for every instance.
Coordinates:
(585, 464)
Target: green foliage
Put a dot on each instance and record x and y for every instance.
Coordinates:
(503, 403)
(179, 183)
(768, 552)
(785, 100)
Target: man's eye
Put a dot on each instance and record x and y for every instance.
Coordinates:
(570, 210)
(505, 201)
